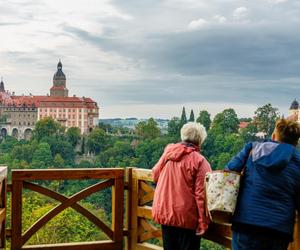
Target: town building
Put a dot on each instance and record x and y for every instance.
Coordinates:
(294, 111)
(19, 114)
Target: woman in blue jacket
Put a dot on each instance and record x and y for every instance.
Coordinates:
(270, 190)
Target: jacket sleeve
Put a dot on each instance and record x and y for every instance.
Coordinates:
(238, 162)
(203, 221)
(156, 170)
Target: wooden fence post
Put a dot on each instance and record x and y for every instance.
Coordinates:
(3, 192)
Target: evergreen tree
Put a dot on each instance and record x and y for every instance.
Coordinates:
(183, 119)
(192, 116)
(204, 119)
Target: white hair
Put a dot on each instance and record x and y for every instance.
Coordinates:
(193, 132)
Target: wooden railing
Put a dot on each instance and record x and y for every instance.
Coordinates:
(3, 188)
(143, 231)
(112, 178)
(140, 232)
(296, 244)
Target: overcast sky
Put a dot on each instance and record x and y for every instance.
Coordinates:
(142, 58)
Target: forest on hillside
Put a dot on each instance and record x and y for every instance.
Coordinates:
(54, 147)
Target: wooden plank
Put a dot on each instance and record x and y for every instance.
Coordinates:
(145, 212)
(3, 172)
(119, 211)
(134, 205)
(295, 245)
(146, 198)
(3, 194)
(147, 246)
(148, 231)
(219, 239)
(16, 215)
(146, 187)
(2, 214)
(67, 174)
(219, 229)
(95, 245)
(8, 233)
(142, 174)
(69, 202)
(128, 211)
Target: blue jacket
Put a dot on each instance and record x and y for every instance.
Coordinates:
(270, 188)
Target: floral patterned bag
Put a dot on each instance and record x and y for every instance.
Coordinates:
(221, 188)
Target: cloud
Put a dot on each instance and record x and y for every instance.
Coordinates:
(220, 19)
(119, 53)
(279, 1)
(197, 24)
(240, 13)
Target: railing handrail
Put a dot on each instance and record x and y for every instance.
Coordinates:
(113, 177)
(139, 190)
(3, 193)
(67, 174)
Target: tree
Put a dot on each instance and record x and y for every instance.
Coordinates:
(58, 161)
(23, 152)
(97, 140)
(174, 128)
(73, 135)
(42, 155)
(265, 119)
(183, 119)
(7, 144)
(148, 151)
(47, 127)
(59, 145)
(120, 155)
(148, 130)
(204, 119)
(249, 133)
(226, 122)
(192, 116)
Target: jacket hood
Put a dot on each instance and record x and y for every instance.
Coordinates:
(272, 155)
(175, 152)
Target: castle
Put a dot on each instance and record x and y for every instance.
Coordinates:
(19, 114)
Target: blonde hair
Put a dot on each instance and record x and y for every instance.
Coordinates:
(193, 132)
(287, 131)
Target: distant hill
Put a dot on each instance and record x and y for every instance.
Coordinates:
(131, 122)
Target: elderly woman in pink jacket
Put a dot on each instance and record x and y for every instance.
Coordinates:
(178, 202)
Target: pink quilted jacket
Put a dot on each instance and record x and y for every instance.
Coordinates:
(179, 194)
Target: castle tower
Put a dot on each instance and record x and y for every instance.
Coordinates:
(2, 89)
(59, 83)
(294, 111)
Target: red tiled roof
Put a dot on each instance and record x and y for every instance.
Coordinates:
(48, 101)
(243, 124)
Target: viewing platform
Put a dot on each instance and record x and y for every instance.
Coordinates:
(131, 225)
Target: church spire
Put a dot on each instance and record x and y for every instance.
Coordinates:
(2, 89)
(59, 83)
